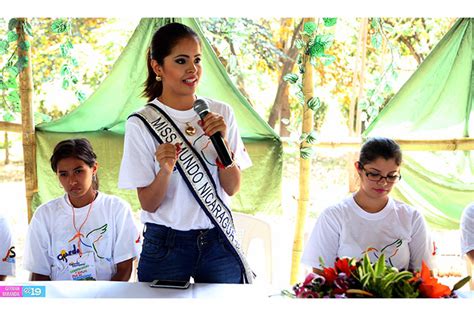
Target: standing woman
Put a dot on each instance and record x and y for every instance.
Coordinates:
(370, 220)
(182, 186)
(84, 234)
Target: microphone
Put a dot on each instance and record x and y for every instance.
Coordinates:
(201, 107)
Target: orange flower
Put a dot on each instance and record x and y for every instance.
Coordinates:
(429, 286)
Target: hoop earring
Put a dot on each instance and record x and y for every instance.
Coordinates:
(158, 78)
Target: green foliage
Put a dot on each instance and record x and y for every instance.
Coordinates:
(382, 280)
(53, 46)
(328, 22)
(312, 46)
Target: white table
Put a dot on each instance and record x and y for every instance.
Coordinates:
(108, 289)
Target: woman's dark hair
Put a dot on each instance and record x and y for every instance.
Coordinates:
(380, 147)
(163, 41)
(79, 148)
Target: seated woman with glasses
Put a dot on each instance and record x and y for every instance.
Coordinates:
(370, 221)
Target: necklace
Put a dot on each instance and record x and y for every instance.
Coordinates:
(189, 129)
(78, 234)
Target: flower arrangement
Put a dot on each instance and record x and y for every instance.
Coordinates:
(360, 278)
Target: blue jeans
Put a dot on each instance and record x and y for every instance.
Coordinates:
(169, 254)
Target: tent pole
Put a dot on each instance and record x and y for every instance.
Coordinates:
(305, 168)
(28, 127)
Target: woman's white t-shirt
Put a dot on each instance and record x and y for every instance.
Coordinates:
(346, 230)
(108, 236)
(7, 249)
(467, 229)
(179, 210)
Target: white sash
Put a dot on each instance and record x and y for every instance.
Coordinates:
(197, 177)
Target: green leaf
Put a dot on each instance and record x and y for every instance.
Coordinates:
(3, 86)
(303, 137)
(321, 261)
(12, 36)
(25, 45)
(12, 24)
(8, 117)
(374, 22)
(299, 43)
(380, 265)
(329, 21)
(69, 44)
(363, 105)
(64, 50)
(27, 28)
(74, 61)
(314, 103)
(81, 96)
(309, 28)
(13, 71)
(41, 117)
(326, 40)
(59, 26)
(461, 283)
(306, 152)
(376, 40)
(16, 107)
(291, 78)
(21, 63)
(317, 49)
(4, 47)
(13, 96)
(65, 70)
(74, 79)
(11, 83)
(311, 138)
(328, 59)
(66, 84)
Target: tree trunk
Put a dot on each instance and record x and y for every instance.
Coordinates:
(7, 150)
(26, 101)
(281, 97)
(281, 105)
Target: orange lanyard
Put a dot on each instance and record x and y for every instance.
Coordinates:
(78, 234)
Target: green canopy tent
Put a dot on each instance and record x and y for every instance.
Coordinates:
(101, 119)
(436, 103)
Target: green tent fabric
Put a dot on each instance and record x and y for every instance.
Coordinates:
(101, 118)
(436, 103)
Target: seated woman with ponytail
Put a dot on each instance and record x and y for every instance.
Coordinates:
(84, 234)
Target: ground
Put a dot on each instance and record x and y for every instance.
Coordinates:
(450, 263)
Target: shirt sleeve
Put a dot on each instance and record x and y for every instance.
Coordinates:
(467, 229)
(37, 246)
(421, 246)
(323, 241)
(241, 155)
(126, 234)
(137, 168)
(7, 249)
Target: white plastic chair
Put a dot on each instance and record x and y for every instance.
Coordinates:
(249, 228)
(469, 267)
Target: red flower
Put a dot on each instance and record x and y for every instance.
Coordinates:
(343, 265)
(429, 286)
(330, 275)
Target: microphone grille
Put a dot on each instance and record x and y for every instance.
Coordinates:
(200, 106)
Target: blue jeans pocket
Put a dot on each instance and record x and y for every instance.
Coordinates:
(154, 249)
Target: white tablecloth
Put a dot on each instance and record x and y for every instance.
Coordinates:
(108, 289)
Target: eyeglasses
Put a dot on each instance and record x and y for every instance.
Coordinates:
(376, 177)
